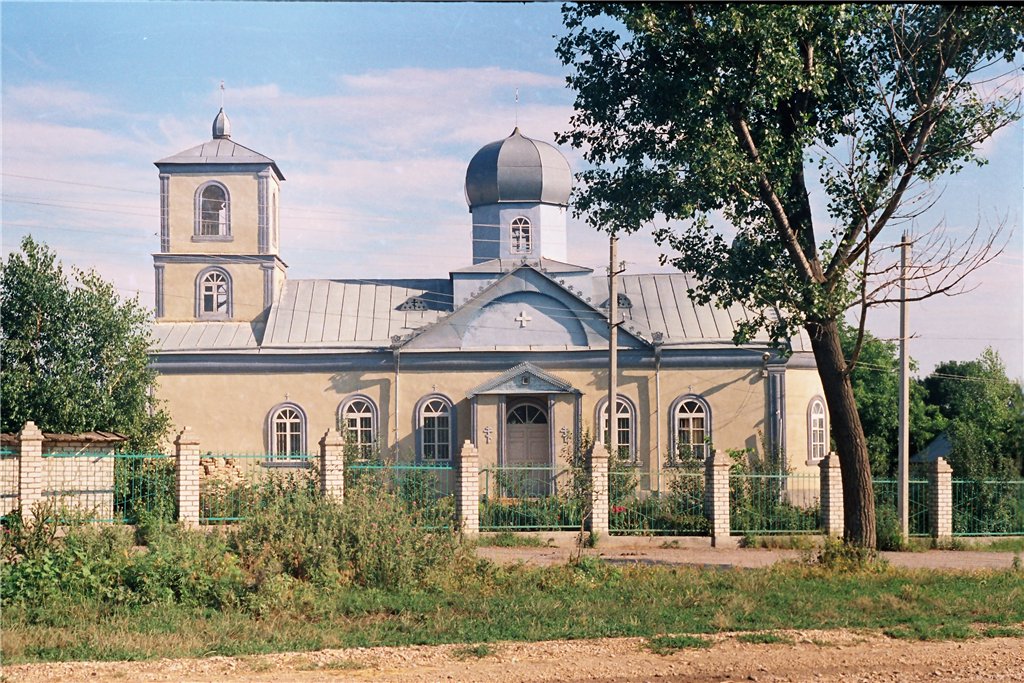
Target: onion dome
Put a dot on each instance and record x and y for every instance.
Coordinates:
(221, 126)
(518, 169)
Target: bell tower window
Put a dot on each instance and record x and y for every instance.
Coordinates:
(213, 212)
(213, 295)
(522, 235)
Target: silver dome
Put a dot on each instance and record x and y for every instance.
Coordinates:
(518, 169)
(221, 125)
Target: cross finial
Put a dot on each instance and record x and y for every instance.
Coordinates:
(517, 107)
(222, 94)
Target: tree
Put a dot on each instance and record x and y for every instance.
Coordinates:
(74, 355)
(692, 113)
(876, 387)
(985, 410)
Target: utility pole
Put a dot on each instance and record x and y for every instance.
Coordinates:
(613, 345)
(904, 432)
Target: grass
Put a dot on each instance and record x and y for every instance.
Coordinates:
(667, 645)
(478, 651)
(488, 603)
(509, 539)
(1013, 544)
(764, 638)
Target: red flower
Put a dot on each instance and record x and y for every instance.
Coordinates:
(618, 508)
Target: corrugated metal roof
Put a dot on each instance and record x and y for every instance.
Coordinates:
(506, 265)
(357, 313)
(206, 336)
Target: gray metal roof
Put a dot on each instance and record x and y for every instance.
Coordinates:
(206, 336)
(352, 313)
(518, 169)
(505, 265)
(220, 151)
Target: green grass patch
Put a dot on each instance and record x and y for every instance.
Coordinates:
(1003, 632)
(1002, 545)
(478, 651)
(667, 645)
(509, 539)
(765, 638)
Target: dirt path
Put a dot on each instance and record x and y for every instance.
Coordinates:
(698, 552)
(812, 656)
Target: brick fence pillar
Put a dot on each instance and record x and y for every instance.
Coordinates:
(940, 503)
(332, 465)
(716, 496)
(467, 499)
(597, 521)
(30, 469)
(831, 496)
(186, 476)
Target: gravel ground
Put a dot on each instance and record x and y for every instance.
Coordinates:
(812, 656)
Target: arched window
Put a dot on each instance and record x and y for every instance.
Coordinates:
(624, 427)
(522, 235)
(691, 417)
(287, 431)
(436, 428)
(213, 211)
(213, 294)
(357, 422)
(817, 431)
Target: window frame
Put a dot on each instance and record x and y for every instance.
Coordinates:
(197, 230)
(365, 451)
(515, 245)
(600, 417)
(422, 430)
(674, 432)
(272, 435)
(201, 277)
(824, 444)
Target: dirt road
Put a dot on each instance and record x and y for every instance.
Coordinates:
(811, 656)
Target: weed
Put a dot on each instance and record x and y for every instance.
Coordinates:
(1015, 565)
(838, 556)
(1003, 632)
(509, 539)
(478, 651)
(667, 645)
(764, 638)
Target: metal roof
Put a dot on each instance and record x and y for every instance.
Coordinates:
(220, 151)
(206, 336)
(506, 265)
(518, 169)
(352, 313)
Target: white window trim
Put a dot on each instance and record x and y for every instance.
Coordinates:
(342, 421)
(600, 414)
(197, 235)
(674, 426)
(512, 246)
(421, 408)
(200, 280)
(272, 432)
(811, 458)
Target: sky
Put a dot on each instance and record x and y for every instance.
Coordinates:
(372, 112)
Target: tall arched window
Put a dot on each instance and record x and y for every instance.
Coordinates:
(213, 294)
(691, 419)
(213, 211)
(624, 427)
(436, 425)
(357, 422)
(287, 431)
(817, 431)
(522, 235)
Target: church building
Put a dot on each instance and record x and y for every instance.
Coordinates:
(509, 352)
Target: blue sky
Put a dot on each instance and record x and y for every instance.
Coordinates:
(372, 111)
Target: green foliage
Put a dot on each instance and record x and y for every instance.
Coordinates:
(876, 387)
(985, 410)
(669, 645)
(844, 558)
(74, 354)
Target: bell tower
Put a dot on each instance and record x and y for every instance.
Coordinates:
(219, 232)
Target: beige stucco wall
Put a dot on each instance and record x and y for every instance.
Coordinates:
(802, 384)
(229, 411)
(180, 290)
(243, 192)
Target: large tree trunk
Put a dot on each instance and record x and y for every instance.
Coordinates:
(858, 493)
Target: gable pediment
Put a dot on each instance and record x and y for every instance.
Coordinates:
(523, 310)
(525, 378)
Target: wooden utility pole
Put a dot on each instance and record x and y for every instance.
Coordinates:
(613, 345)
(904, 431)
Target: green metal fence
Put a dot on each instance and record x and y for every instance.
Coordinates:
(532, 499)
(774, 503)
(887, 500)
(667, 503)
(427, 489)
(121, 487)
(988, 507)
(8, 480)
(233, 486)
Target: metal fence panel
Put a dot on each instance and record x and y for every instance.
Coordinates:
(988, 507)
(233, 486)
(426, 489)
(774, 503)
(667, 503)
(887, 503)
(532, 499)
(120, 487)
